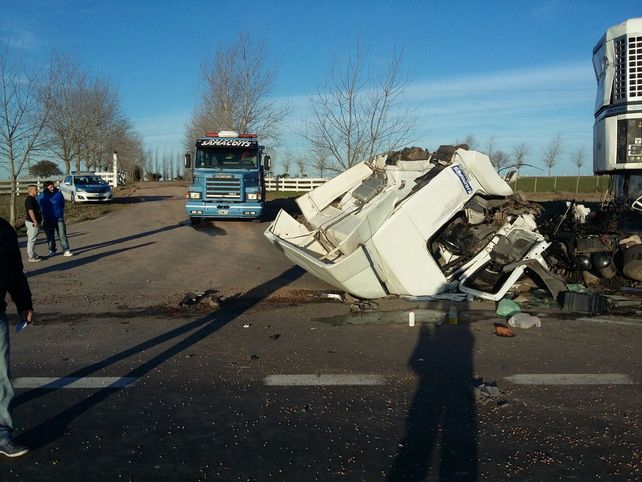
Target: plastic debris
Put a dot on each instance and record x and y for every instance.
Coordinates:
(507, 308)
(524, 320)
(577, 288)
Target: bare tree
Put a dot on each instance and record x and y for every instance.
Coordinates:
(286, 165)
(86, 121)
(24, 104)
(520, 153)
(301, 164)
(320, 160)
(236, 93)
(469, 140)
(577, 158)
(355, 116)
(500, 160)
(552, 152)
(491, 149)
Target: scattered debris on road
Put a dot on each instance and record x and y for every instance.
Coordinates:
(206, 300)
(485, 392)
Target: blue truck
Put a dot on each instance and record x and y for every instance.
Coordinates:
(228, 178)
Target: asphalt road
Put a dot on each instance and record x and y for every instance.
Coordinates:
(274, 386)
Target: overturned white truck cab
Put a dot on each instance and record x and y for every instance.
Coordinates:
(441, 222)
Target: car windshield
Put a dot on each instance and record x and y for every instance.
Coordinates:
(226, 158)
(83, 180)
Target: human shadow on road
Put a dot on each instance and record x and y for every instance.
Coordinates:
(139, 199)
(54, 428)
(89, 247)
(441, 425)
(76, 261)
(82, 249)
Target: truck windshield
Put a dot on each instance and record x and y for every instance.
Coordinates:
(226, 158)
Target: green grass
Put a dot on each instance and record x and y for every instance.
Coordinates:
(73, 212)
(562, 184)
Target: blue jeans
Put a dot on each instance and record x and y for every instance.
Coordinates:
(6, 388)
(53, 226)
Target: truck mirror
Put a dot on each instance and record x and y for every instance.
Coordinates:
(188, 160)
(268, 163)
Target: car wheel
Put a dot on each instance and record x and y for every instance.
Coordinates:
(194, 221)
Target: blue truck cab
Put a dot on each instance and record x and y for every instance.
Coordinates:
(227, 177)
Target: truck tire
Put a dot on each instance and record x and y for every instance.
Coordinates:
(632, 262)
(194, 221)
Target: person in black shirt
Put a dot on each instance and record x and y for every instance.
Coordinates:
(14, 282)
(33, 219)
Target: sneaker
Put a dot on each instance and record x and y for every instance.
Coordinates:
(50, 254)
(68, 253)
(11, 449)
(34, 260)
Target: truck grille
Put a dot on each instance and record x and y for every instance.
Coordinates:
(620, 69)
(223, 188)
(635, 66)
(628, 68)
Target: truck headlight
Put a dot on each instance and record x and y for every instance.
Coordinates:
(194, 195)
(252, 195)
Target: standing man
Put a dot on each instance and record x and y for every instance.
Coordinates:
(13, 281)
(53, 210)
(33, 218)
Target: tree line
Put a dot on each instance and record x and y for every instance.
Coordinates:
(357, 111)
(61, 111)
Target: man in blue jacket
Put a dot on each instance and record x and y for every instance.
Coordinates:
(53, 212)
(14, 282)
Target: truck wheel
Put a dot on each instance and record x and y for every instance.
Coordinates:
(632, 262)
(194, 221)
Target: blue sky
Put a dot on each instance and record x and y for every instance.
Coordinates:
(517, 70)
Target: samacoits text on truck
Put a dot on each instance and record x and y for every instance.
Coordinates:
(227, 177)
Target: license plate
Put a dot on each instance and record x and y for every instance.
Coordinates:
(222, 212)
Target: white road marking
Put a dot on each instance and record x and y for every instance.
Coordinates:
(611, 321)
(571, 379)
(73, 382)
(322, 379)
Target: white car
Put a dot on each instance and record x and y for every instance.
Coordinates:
(85, 187)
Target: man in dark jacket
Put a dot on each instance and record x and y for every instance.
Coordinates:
(14, 282)
(53, 211)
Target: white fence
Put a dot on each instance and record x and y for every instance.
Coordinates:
(23, 182)
(296, 184)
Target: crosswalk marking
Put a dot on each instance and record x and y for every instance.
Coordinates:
(323, 379)
(51, 383)
(571, 379)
